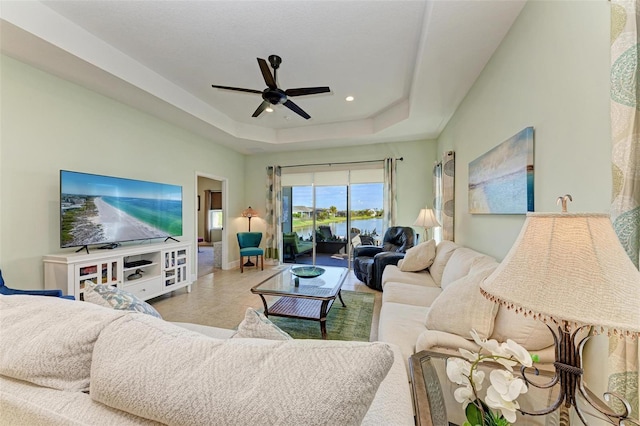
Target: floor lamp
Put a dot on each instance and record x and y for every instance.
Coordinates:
(249, 213)
(570, 271)
(426, 219)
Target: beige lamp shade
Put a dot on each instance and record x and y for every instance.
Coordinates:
(569, 269)
(426, 219)
(249, 212)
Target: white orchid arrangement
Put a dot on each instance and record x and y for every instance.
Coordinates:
(505, 388)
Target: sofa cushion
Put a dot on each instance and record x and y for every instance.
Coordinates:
(462, 308)
(460, 263)
(531, 333)
(115, 298)
(444, 250)
(256, 325)
(392, 404)
(158, 371)
(401, 325)
(410, 294)
(49, 341)
(419, 257)
(392, 273)
(23, 404)
(209, 331)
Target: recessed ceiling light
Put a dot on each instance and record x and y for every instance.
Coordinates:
(349, 98)
(269, 109)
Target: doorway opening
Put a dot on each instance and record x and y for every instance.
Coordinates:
(211, 218)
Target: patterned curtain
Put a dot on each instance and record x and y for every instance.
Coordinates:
(273, 240)
(444, 196)
(625, 209)
(389, 197)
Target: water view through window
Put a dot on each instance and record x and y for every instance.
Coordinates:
(331, 210)
(334, 216)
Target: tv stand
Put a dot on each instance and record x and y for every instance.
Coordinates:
(85, 247)
(164, 267)
(171, 238)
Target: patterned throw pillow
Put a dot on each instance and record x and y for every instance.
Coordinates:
(256, 325)
(113, 297)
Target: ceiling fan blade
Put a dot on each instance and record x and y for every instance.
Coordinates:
(261, 108)
(237, 89)
(306, 91)
(295, 108)
(266, 74)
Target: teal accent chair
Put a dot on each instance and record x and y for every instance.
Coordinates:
(249, 243)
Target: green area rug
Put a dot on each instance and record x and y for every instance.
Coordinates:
(350, 323)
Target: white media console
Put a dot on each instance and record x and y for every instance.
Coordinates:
(164, 267)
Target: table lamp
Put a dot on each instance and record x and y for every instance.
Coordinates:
(249, 213)
(570, 271)
(426, 219)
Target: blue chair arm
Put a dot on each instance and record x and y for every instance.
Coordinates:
(10, 291)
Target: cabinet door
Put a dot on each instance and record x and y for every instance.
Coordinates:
(175, 266)
(105, 271)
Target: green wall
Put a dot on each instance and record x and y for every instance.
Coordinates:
(50, 124)
(551, 72)
(415, 188)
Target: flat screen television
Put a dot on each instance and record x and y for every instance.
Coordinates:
(96, 209)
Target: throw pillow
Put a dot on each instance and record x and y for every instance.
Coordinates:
(444, 250)
(527, 331)
(234, 381)
(419, 257)
(460, 263)
(113, 297)
(461, 308)
(256, 325)
(48, 341)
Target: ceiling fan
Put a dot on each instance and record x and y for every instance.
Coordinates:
(273, 95)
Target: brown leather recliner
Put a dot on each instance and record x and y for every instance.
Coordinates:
(369, 261)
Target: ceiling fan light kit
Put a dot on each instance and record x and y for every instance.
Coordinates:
(273, 95)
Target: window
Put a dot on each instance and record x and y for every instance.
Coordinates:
(215, 219)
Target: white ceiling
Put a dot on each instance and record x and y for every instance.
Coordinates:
(407, 63)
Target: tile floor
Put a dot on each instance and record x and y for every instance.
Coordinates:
(221, 298)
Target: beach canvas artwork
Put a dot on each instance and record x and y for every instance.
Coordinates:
(501, 180)
(103, 209)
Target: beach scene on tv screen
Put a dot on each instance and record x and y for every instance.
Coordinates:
(98, 209)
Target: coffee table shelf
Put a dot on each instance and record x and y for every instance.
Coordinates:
(295, 307)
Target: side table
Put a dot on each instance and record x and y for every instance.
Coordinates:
(427, 393)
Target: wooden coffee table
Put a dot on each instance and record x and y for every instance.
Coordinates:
(302, 298)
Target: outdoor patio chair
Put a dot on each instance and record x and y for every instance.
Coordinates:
(294, 246)
(326, 233)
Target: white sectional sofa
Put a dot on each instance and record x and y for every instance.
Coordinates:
(435, 309)
(66, 362)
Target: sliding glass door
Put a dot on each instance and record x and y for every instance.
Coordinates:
(327, 214)
(331, 215)
(366, 213)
